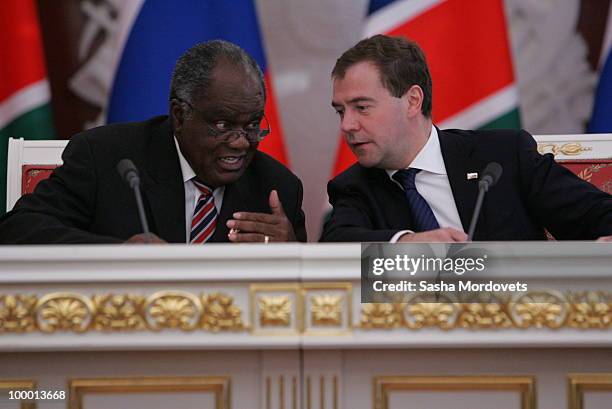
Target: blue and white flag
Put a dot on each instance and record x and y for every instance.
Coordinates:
(601, 120)
(158, 32)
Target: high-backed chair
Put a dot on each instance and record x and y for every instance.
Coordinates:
(587, 155)
(28, 163)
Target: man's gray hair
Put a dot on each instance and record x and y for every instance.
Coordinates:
(193, 70)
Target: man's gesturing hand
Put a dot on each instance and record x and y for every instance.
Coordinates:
(255, 227)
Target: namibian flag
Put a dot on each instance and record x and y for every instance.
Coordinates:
(24, 91)
(156, 35)
(467, 49)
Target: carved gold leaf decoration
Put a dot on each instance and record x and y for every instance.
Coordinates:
(484, 310)
(64, 312)
(484, 315)
(592, 309)
(17, 313)
(173, 310)
(568, 149)
(381, 316)
(540, 309)
(326, 309)
(430, 314)
(431, 310)
(217, 312)
(220, 313)
(118, 312)
(274, 310)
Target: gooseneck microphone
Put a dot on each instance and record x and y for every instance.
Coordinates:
(129, 174)
(491, 174)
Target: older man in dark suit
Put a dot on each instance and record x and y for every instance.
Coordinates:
(415, 182)
(203, 178)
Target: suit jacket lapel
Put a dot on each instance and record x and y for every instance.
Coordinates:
(397, 211)
(456, 151)
(163, 186)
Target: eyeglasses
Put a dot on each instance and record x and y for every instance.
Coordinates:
(223, 132)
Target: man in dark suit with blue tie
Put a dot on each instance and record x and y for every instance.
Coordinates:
(415, 182)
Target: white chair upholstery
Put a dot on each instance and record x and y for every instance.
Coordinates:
(22, 153)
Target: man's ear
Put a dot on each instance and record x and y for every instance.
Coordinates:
(414, 100)
(177, 116)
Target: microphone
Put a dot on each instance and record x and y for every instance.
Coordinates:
(129, 174)
(491, 174)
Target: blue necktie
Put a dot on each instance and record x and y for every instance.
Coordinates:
(422, 215)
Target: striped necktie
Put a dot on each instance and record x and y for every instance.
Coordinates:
(204, 218)
(422, 215)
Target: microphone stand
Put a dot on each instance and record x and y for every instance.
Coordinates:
(129, 173)
(492, 173)
(483, 187)
(135, 184)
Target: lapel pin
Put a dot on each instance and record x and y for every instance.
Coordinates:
(472, 175)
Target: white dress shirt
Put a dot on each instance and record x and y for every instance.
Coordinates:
(432, 183)
(192, 193)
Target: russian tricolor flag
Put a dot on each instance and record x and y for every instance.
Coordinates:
(156, 35)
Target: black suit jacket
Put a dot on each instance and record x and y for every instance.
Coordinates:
(533, 193)
(85, 201)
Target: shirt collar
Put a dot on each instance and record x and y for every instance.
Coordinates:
(429, 157)
(186, 169)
